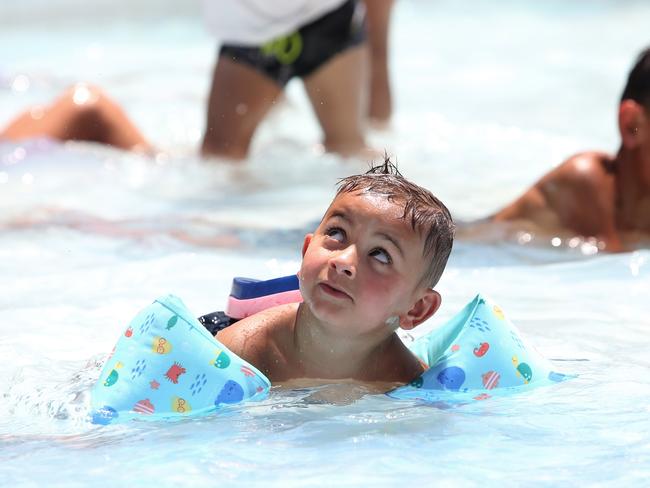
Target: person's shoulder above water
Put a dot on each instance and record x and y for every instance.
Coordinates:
(579, 194)
(592, 194)
(263, 339)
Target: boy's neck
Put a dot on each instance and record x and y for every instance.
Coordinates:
(325, 355)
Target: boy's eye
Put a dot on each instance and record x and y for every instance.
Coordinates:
(335, 233)
(381, 255)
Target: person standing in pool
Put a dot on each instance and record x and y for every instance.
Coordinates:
(265, 45)
(367, 270)
(82, 113)
(599, 195)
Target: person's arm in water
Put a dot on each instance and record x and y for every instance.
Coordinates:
(577, 196)
(82, 113)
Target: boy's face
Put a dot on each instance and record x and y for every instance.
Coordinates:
(363, 265)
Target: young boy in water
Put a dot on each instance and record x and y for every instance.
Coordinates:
(367, 270)
(594, 194)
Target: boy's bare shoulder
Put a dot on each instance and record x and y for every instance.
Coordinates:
(257, 336)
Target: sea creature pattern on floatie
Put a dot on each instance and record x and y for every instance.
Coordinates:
(166, 364)
(476, 354)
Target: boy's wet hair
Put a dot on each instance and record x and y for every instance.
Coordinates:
(638, 81)
(426, 213)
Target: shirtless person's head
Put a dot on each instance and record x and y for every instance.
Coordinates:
(596, 195)
(634, 110)
(367, 270)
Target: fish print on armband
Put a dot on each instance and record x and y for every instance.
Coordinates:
(171, 322)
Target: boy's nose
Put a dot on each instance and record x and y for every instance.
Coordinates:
(344, 262)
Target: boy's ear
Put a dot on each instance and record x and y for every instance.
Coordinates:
(305, 244)
(424, 308)
(632, 123)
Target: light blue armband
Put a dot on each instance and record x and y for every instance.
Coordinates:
(475, 355)
(166, 365)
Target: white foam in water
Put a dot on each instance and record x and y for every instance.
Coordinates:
(489, 95)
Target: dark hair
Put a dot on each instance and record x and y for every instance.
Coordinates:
(426, 213)
(638, 81)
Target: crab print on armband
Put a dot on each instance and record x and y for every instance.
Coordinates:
(174, 372)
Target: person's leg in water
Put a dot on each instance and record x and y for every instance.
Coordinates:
(328, 54)
(380, 107)
(82, 113)
(239, 99)
(337, 92)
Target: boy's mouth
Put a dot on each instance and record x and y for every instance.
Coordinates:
(333, 291)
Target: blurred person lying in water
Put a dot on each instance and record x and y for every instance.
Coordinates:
(82, 113)
(598, 195)
(368, 269)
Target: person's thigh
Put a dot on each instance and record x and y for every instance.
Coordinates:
(378, 13)
(338, 94)
(239, 99)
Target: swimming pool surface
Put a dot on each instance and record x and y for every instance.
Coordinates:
(488, 96)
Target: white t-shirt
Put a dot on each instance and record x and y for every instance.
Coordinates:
(254, 22)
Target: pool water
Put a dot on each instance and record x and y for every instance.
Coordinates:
(489, 96)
